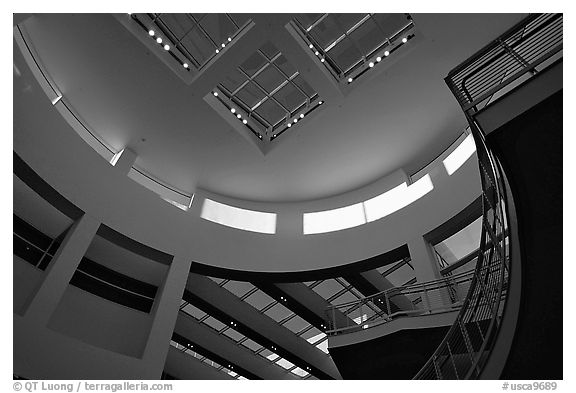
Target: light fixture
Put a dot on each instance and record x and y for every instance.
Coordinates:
(404, 40)
(166, 47)
(239, 115)
(371, 64)
(311, 46)
(223, 45)
(317, 53)
(386, 53)
(215, 94)
(301, 115)
(217, 51)
(289, 124)
(320, 102)
(233, 110)
(159, 40)
(245, 121)
(229, 39)
(151, 33)
(350, 80)
(295, 120)
(185, 65)
(378, 59)
(322, 60)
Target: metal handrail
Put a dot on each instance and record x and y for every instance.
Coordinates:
(438, 296)
(462, 354)
(516, 53)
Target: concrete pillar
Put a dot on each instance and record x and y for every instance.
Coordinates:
(164, 314)
(43, 301)
(426, 269)
(124, 160)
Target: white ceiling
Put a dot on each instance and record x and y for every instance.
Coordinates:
(402, 118)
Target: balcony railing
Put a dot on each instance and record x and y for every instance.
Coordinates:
(443, 295)
(518, 54)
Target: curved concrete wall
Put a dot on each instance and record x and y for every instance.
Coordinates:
(47, 143)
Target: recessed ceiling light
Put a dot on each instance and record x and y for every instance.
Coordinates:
(217, 51)
(215, 94)
(320, 102)
(166, 47)
(223, 45)
(239, 116)
(322, 60)
(229, 39)
(185, 65)
(295, 120)
(350, 80)
(289, 124)
(151, 33)
(404, 40)
(245, 121)
(316, 53)
(311, 46)
(159, 40)
(378, 59)
(371, 64)
(386, 53)
(233, 110)
(301, 115)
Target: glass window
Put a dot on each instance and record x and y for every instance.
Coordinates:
(328, 288)
(238, 288)
(460, 155)
(278, 312)
(248, 220)
(214, 324)
(334, 220)
(259, 300)
(460, 244)
(296, 324)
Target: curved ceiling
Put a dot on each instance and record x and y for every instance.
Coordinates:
(400, 117)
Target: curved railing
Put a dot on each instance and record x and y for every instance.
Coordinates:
(494, 70)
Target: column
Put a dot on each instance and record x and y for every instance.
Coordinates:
(426, 269)
(164, 314)
(44, 300)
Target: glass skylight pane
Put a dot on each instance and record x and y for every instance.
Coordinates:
(401, 275)
(316, 338)
(271, 112)
(328, 288)
(251, 345)
(278, 312)
(296, 324)
(233, 334)
(214, 324)
(344, 298)
(253, 63)
(290, 97)
(334, 220)
(284, 363)
(460, 155)
(238, 288)
(323, 346)
(248, 220)
(218, 27)
(397, 198)
(298, 371)
(270, 79)
(195, 312)
(259, 300)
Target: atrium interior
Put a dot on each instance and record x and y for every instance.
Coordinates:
(287, 196)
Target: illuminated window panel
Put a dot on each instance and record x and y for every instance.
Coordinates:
(397, 198)
(296, 324)
(401, 275)
(193, 311)
(460, 244)
(334, 220)
(248, 220)
(270, 90)
(460, 155)
(328, 288)
(278, 312)
(348, 43)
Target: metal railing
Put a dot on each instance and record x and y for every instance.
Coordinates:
(497, 68)
(515, 55)
(442, 295)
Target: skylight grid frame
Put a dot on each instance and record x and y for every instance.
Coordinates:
(196, 23)
(360, 66)
(270, 125)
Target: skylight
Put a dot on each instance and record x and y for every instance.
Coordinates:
(460, 155)
(349, 44)
(267, 93)
(247, 220)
